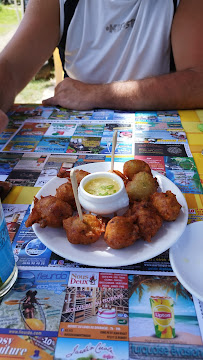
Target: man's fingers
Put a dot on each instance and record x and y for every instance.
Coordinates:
(3, 120)
(55, 101)
(50, 101)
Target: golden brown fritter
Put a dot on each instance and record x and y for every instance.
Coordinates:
(166, 205)
(132, 167)
(80, 174)
(65, 193)
(121, 232)
(49, 211)
(141, 186)
(147, 219)
(83, 232)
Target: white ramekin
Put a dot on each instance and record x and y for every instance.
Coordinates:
(104, 205)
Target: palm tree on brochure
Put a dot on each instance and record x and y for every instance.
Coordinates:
(167, 283)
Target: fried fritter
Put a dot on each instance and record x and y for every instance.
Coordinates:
(83, 232)
(141, 186)
(49, 211)
(65, 193)
(80, 174)
(166, 205)
(146, 217)
(132, 167)
(121, 232)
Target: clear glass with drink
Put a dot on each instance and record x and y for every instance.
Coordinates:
(8, 268)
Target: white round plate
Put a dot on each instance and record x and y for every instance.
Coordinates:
(186, 259)
(101, 255)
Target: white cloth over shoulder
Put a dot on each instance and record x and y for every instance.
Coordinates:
(111, 40)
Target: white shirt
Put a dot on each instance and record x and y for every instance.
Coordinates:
(111, 40)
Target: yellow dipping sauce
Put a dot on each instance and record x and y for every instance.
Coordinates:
(102, 186)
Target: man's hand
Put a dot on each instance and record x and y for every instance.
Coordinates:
(74, 94)
(3, 121)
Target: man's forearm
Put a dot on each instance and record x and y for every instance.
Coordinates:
(7, 86)
(179, 90)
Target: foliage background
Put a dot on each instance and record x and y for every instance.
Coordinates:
(40, 87)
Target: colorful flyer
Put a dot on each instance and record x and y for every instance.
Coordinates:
(31, 311)
(22, 143)
(34, 128)
(27, 248)
(96, 304)
(100, 114)
(23, 177)
(151, 125)
(61, 129)
(8, 162)
(150, 149)
(89, 129)
(75, 349)
(14, 215)
(160, 137)
(184, 174)
(161, 308)
(122, 147)
(52, 144)
(84, 145)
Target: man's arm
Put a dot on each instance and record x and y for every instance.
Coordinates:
(32, 44)
(180, 90)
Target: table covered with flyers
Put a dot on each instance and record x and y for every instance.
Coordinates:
(78, 305)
